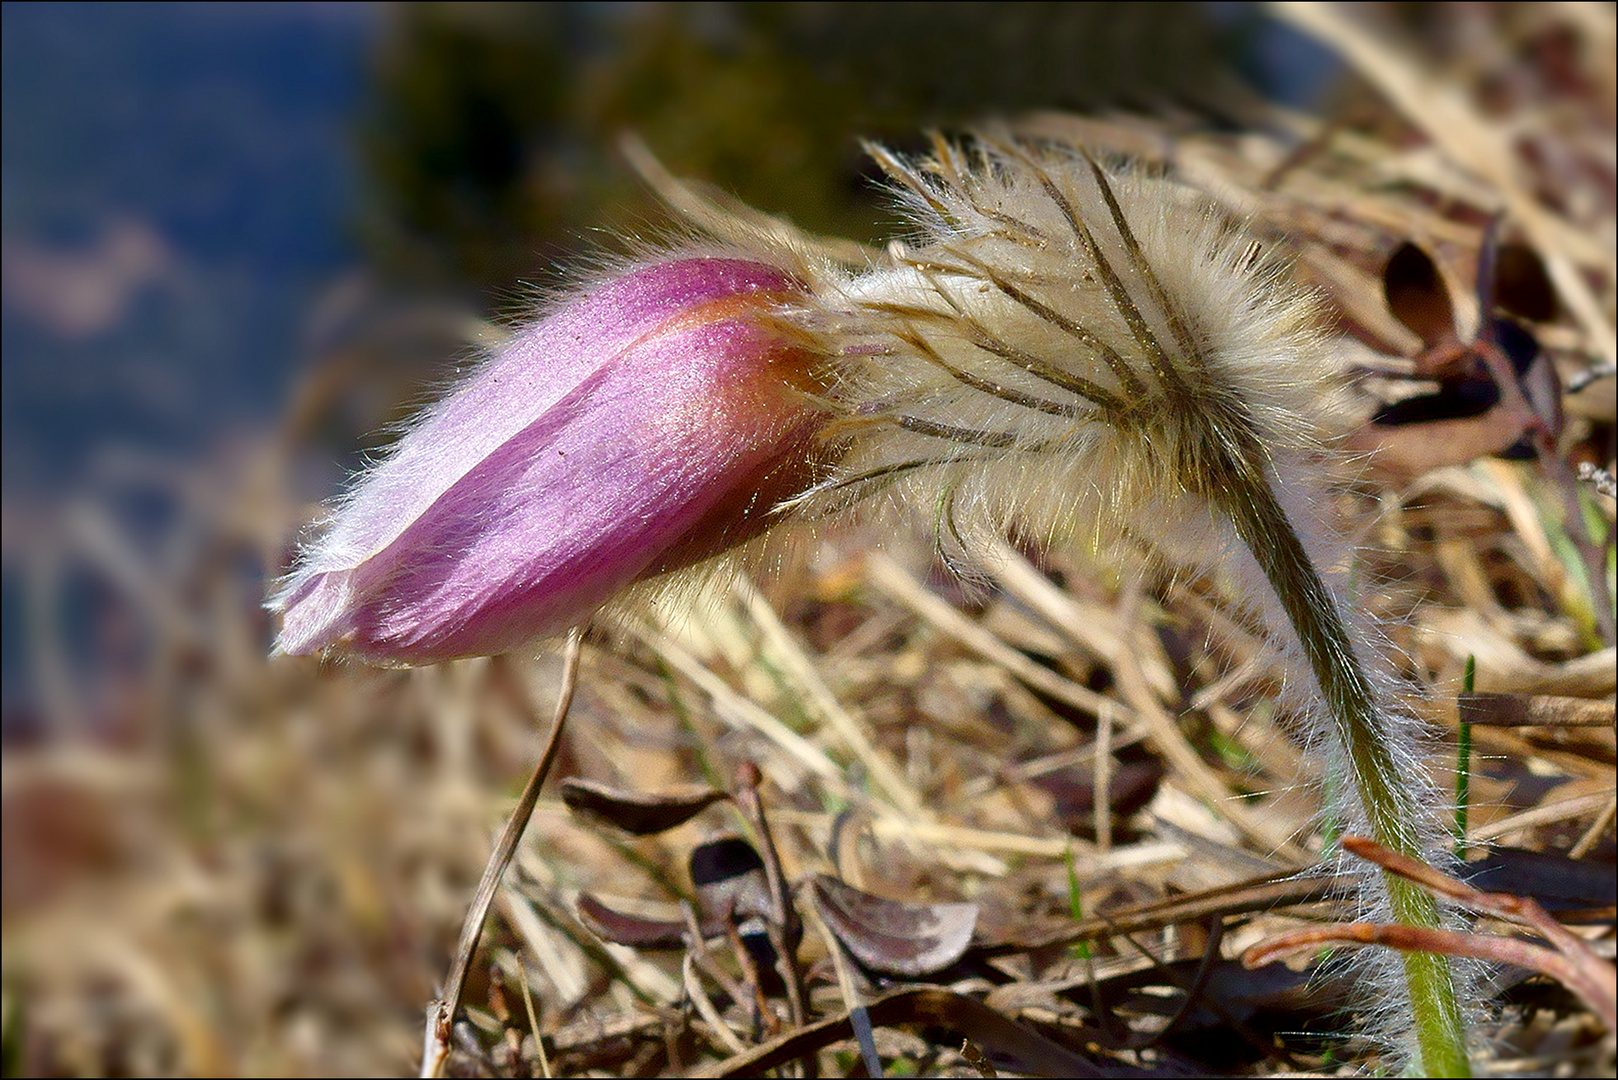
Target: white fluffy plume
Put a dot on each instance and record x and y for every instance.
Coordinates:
(1068, 350)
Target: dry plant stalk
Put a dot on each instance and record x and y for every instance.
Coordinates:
(441, 1012)
(1569, 959)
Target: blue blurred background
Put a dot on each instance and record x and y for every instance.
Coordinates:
(178, 190)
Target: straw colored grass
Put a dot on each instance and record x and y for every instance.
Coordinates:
(215, 864)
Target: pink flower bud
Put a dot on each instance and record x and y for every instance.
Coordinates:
(644, 426)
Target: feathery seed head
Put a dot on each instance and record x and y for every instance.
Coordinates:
(1066, 345)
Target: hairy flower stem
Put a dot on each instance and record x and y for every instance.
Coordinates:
(1263, 526)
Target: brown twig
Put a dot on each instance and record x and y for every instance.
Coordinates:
(441, 1012)
(784, 927)
(1569, 959)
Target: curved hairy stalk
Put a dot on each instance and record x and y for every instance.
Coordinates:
(1066, 349)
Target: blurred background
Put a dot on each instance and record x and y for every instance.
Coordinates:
(238, 222)
(239, 241)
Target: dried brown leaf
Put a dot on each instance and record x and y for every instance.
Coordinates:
(640, 813)
(623, 928)
(893, 936)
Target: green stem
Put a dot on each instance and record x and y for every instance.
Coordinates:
(1391, 813)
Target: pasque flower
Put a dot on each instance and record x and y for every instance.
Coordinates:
(647, 424)
(1061, 348)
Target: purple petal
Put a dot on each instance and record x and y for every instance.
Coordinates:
(583, 459)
